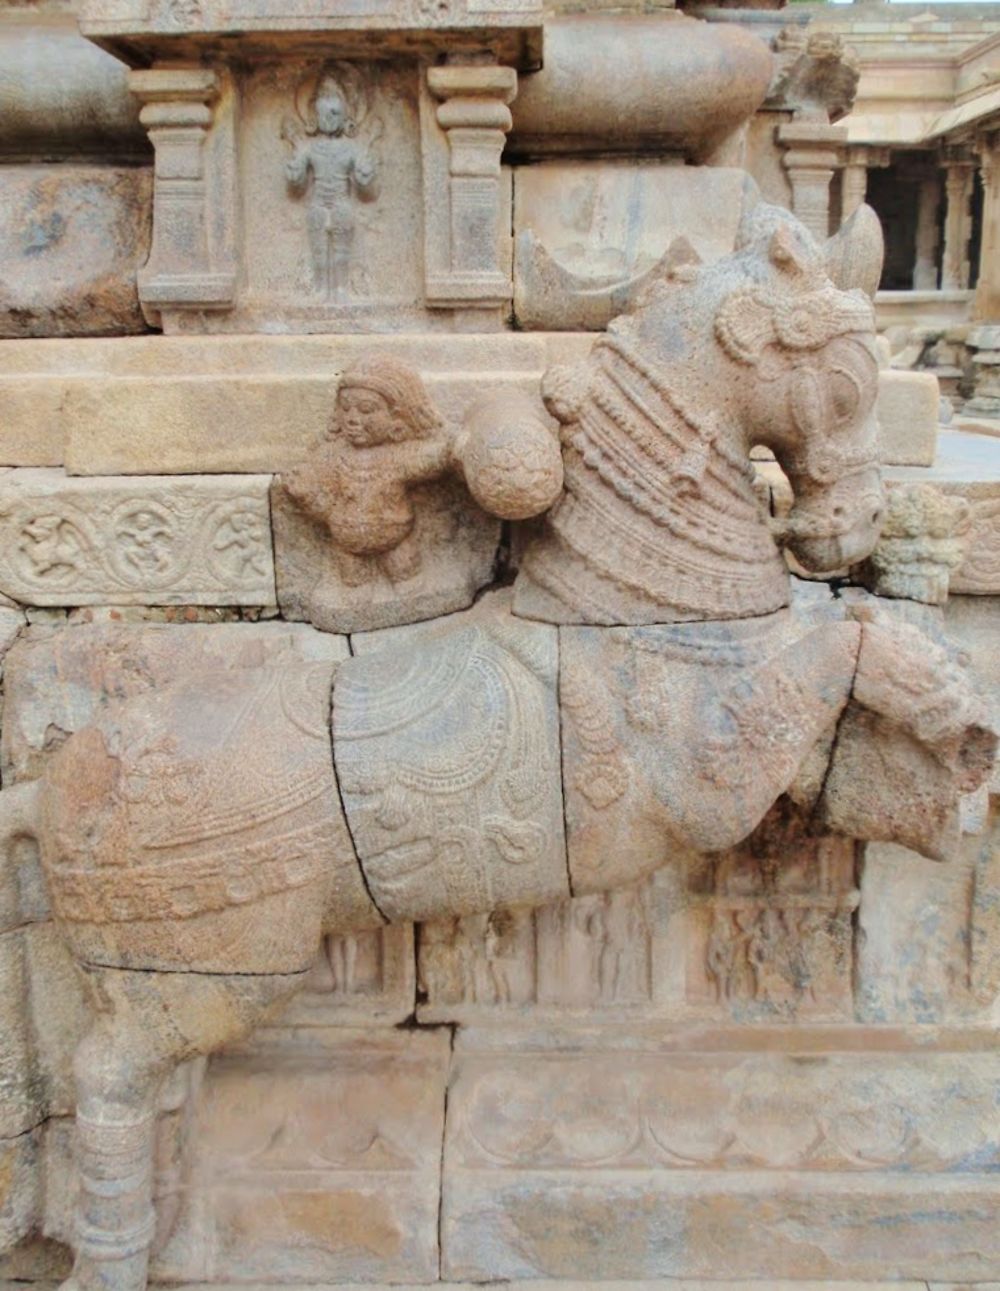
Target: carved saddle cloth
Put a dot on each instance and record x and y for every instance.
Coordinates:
(448, 760)
(217, 792)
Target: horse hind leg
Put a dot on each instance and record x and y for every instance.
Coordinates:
(145, 1024)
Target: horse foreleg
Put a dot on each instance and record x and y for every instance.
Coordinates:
(905, 677)
(915, 737)
(145, 1024)
(754, 737)
(118, 1077)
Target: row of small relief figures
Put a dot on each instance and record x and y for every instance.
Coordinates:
(598, 951)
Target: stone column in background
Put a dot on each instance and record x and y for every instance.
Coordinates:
(473, 113)
(987, 302)
(957, 223)
(814, 150)
(183, 271)
(853, 182)
(925, 275)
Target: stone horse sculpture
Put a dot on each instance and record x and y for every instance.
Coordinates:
(648, 692)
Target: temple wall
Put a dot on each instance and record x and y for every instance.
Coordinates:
(775, 1063)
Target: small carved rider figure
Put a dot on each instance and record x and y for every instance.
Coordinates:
(384, 437)
(343, 169)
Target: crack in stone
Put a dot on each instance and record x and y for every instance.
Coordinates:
(453, 1030)
(340, 796)
(837, 728)
(21, 1134)
(562, 760)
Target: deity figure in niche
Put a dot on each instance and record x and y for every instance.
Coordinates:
(384, 437)
(336, 168)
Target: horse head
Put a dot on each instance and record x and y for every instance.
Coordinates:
(800, 325)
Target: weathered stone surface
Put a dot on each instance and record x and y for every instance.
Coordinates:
(156, 405)
(626, 692)
(919, 714)
(20, 1102)
(20, 1187)
(62, 95)
(555, 1160)
(56, 682)
(142, 879)
(318, 1166)
(685, 1224)
(907, 414)
(594, 956)
(521, 1113)
(926, 950)
(964, 1286)
(201, 827)
(11, 623)
(60, 1178)
(973, 623)
(464, 118)
(815, 76)
(691, 88)
(159, 540)
(43, 1018)
(590, 235)
(767, 930)
(71, 240)
(511, 29)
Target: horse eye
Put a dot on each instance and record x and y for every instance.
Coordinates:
(844, 396)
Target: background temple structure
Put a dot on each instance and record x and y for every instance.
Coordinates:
(920, 146)
(224, 224)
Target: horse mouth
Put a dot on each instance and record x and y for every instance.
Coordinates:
(823, 553)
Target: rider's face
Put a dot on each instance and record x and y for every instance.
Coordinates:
(364, 417)
(330, 111)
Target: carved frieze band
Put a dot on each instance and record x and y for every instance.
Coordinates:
(152, 540)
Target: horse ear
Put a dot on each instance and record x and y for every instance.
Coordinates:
(853, 257)
(788, 252)
(680, 256)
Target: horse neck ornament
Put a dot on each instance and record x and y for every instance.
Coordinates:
(659, 521)
(197, 841)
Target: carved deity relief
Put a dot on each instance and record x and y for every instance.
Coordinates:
(358, 978)
(332, 166)
(770, 924)
(589, 954)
